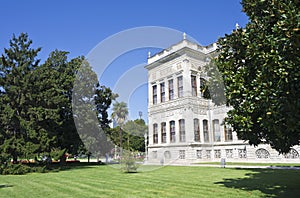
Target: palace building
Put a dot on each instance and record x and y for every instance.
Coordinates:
(184, 126)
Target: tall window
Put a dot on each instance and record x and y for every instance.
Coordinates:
(171, 89)
(196, 130)
(172, 131)
(194, 85)
(155, 134)
(181, 130)
(154, 92)
(216, 130)
(162, 92)
(163, 132)
(180, 86)
(228, 132)
(205, 131)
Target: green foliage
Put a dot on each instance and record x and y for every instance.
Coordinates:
(128, 161)
(260, 68)
(135, 131)
(36, 115)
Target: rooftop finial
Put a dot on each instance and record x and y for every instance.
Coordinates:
(149, 54)
(237, 26)
(184, 35)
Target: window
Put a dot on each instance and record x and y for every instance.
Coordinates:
(167, 155)
(199, 154)
(163, 132)
(154, 92)
(196, 130)
(155, 134)
(216, 130)
(205, 131)
(162, 92)
(194, 85)
(181, 130)
(293, 154)
(228, 132)
(171, 89)
(262, 153)
(181, 154)
(180, 86)
(208, 154)
(242, 153)
(217, 153)
(172, 131)
(229, 153)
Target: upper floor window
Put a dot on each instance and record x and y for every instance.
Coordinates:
(155, 133)
(180, 86)
(216, 130)
(205, 131)
(162, 92)
(196, 130)
(171, 89)
(194, 85)
(172, 131)
(181, 130)
(163, 132)
(154, 93)
(228, 132)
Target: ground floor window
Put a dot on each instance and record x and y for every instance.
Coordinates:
(229, 153)
(218, 153)
(293, 154)
(262, 153)
(181, 154)
(208, 154)
(199, 154)
(167, 155)
(242, 153)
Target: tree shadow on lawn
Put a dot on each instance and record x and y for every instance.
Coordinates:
(72, 166)
(273, 183)
(5, 186)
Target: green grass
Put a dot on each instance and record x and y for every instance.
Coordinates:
(171, 181)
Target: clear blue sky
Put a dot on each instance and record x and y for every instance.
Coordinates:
(78, 26)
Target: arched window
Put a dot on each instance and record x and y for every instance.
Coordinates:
(262, 153)
(167, 155)
(155, 133)
(216, 130)
(172, 131)
(163, 132)
(228, 132)
(205, 131)
(196, 130)
(293, 154)
(181, 130)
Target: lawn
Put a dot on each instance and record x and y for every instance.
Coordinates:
(170, 181)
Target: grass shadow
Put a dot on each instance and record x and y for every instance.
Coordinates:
(273, 183)
(72, 166)
(5, 186)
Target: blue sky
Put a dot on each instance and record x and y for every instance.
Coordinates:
(78, 26)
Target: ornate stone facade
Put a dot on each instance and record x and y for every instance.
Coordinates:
(184, 127)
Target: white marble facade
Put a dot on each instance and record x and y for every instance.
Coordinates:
(183, 126)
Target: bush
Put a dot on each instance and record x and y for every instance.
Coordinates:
(128, 162)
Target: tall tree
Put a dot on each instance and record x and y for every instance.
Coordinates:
(17, 65)
(260, 68)
(119, 114)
